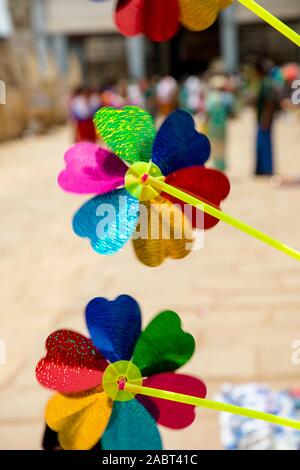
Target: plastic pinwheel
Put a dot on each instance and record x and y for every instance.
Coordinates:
(126, 204)
(117, 386)
(89, 373)
(160, 19)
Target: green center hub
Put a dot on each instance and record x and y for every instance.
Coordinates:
(136, 180)
(119, 373)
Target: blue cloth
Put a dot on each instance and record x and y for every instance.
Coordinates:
(114, 326)
(264, 153)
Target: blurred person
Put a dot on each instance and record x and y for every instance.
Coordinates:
(150, 88)
(191, 95)
(135, 95)
(82, 110)
(219, 108)
(267, 104)
(166, 95)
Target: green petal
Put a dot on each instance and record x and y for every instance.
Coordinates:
(128, 132)
(163, 346)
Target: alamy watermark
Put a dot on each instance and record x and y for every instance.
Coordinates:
(2, 92)
(296, 93)
(2, 353)
(155, 221)
(295, 357)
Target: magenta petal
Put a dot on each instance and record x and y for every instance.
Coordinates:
(91, 170)
(171, 414)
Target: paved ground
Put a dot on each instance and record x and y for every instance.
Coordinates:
(241, 299)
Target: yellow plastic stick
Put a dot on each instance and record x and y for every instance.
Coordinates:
(213, 405)
(272, 20)
(218, 214)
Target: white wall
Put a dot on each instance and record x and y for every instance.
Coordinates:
(284, 9)
(79, 16)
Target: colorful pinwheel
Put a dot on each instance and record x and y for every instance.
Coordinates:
(86, 373)
(160, 19)
(125, 207)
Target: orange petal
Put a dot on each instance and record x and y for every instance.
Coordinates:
(197, 15)
(163, 232)
(79, 419)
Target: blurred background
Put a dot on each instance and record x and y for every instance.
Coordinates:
(60, 61)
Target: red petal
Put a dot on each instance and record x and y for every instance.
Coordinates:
(211, 186)
(72, 364)
(168, 413)
(158, 19)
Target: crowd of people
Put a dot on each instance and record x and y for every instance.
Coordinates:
(212, 99)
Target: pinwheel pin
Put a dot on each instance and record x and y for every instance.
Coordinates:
(165, 175)
(160, 19)
(114, 388)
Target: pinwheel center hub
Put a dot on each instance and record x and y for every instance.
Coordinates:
(116, 376)
(137, 181)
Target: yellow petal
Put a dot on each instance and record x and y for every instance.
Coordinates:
(79, 419)
(200, 14)
(163, 232)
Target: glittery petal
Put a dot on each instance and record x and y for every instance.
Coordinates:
(210, 185)
(91, 170)
(128, 132)
(108, 220)
(163, 232)
(171, 414)
(114, 326)
(131, 427)
(163, 346)
(79, 420)
(197, 15)
(72, 363)
(178, 145)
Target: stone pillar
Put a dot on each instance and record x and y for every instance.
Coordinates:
(38, 25)
(229, 39)
(5, 20)
(60, 49)
(135, 53)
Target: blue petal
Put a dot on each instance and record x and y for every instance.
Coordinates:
(114, 326)
(108, 220)
(178, 145)
(131, 427)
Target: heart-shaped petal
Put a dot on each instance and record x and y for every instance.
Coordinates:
(80, 420)
(171, 414)
(91, 170)
(108, 221)
(114, 326)
(163, 232)
(209, 185)
(131, 427)
(178, 145)
(197, 15)
(163, 346)
(128, 132)
(72, 363)
(158, 19)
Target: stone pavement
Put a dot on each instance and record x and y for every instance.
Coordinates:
(240, 298)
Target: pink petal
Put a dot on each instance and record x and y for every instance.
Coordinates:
(171, 414)
(72, 363)
(91, 170)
